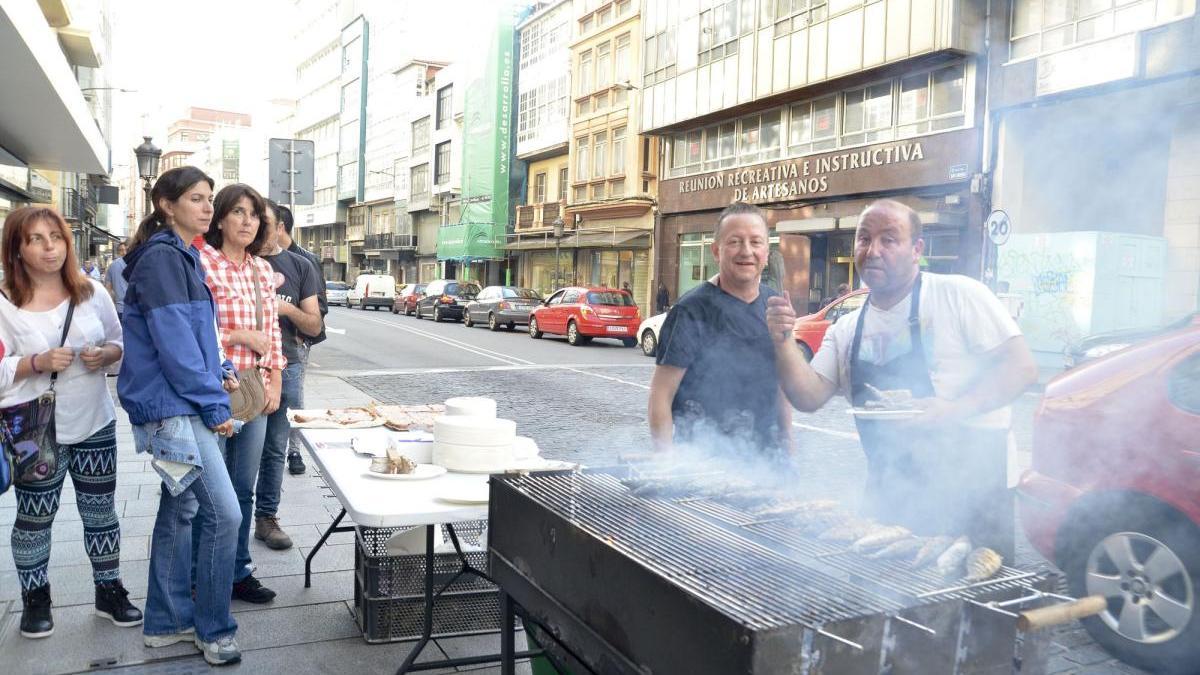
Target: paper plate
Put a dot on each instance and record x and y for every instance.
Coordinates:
(422, 472)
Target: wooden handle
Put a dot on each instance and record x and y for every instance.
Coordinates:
(1042, 617)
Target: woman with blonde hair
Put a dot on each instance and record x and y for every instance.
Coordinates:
(60, 331)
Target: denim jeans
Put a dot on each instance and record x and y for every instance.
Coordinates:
(243, 453)
(275, 447)
(209, 506)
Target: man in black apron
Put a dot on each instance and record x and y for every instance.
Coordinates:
(944, 471)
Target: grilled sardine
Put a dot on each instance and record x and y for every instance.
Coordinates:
(982, 564)
(879, 537)
(849, 530)
(931, 549)
(899, 549)
(952, 558)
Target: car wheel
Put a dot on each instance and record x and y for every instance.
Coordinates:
(418, 312)
(467, 319)
(1145, 559)
(492, 325)
(408, 311)
(573, 337)
(533, 329)
(362, 304)
(437, 314)
(805, 350)
(649, 342)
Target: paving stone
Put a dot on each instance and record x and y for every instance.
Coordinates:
(340, 557)
(1088, 655)
(326, 587)
(282, 626)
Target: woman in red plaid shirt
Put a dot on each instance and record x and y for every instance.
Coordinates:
(239, 281)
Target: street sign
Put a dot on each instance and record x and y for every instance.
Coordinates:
(998, 227)
(290, 165)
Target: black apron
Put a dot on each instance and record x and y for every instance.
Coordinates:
(949, 481)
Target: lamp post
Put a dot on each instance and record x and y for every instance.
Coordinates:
(558, 233)
(148, 156)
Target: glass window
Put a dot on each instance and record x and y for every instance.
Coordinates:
(445, 109)
(769, 135)
(728, 144)
(1055, 12)
(622, 7)
(1027, 17)
(693, 147)
(603, 65)
(539, 188)
(599, 155)
(441, 163)
(610, 298)
(868, 115)
(581, 159)
(749, 139)
(585, 72)
(420, 135)
(618, 151)
(948, 90)
(562, 184)
(621, 57)
(570, 297)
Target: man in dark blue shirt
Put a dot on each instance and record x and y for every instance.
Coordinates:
(715, 386)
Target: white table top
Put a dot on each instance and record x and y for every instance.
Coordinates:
(374, 502)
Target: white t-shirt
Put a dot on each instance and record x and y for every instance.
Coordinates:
(960, 321)
(82, 405)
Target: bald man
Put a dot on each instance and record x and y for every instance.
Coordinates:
(947, 342)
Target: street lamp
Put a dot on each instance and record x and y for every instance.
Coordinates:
(147, 158)
(558, 233)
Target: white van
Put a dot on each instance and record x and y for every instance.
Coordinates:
(372, 290)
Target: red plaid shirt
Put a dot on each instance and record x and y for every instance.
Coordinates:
(231, 286)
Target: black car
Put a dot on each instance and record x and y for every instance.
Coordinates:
(445, 299)
(501, 306)
(1101, 344)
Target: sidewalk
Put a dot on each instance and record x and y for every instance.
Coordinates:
(303, 631)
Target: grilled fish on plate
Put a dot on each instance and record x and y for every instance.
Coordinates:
(879, 537)
(899, 549)
(931, 549)
(982, 564)
(952, 558)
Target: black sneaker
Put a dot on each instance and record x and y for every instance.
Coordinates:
(36, 621)
(112, 603)
(295, 463)
(252, 590)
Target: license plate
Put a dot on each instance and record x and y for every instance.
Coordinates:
(377, 295)
(616, 329)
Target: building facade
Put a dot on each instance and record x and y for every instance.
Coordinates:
(811, 110)
(435, 165)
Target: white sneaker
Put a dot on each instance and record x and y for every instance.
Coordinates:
(155, 641)
(221, 651)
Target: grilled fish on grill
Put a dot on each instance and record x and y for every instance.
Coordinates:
(879, 537)
(982, 564)
(931, 549)
(849, 530)
(899, 549)
(952, 558)
(796, 508)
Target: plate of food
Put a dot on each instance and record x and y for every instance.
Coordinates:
(408, 417)
(418, 472)
(398, 466)
(335, 418)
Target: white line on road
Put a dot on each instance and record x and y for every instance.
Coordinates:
(831, 432)
(336, 331)
(478, 351)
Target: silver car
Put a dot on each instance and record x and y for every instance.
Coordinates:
(335, 292)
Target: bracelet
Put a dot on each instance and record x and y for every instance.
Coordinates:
(33, 365)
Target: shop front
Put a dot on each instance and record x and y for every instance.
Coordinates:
(584, 258)
(812, 206)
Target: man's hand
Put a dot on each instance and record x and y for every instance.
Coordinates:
(274, 392)
(230, 382)
(256, 340)
(286, 309)
(224, 428)
(781, 317)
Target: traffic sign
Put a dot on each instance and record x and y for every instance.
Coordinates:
(290, 165)
(999, 227)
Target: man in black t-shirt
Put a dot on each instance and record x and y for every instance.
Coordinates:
(715, 386)
(296, 287)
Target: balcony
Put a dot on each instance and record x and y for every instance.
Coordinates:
(79, 205)
(355, 233)
(536, 216)
(390, 241)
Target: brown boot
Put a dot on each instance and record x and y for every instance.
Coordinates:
(267, 530)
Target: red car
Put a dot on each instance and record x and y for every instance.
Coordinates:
(1113, 495)
(585, 313)
(406, 300)
(810, 329)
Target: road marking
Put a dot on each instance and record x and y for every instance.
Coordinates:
(478, 369)
(478, 351)
(335, 331)
(822, 430)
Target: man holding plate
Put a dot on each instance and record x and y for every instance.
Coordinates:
(930, 363)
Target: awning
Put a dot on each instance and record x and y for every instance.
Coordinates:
(585, 239)
(15, 193)
(51, 128)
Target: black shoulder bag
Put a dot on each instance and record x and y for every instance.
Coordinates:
(29, 437)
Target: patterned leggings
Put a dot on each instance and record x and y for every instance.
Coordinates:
(93, 467)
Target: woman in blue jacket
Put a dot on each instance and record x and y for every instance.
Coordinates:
(173, 385)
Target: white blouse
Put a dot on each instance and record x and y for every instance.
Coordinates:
(83, 405)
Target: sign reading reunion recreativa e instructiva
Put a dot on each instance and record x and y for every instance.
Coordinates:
(895, 165)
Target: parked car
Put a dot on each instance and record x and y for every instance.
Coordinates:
(501, 306)
(335, 292)
(372, 290)
(585, 313)
(648, 333)
(810, 329)
(1112, 496)
(406, 301)
(1100, 344)
(446, 299)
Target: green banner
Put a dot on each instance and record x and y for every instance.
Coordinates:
(487, 131)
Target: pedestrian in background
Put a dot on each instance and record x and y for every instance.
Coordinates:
(174, 386)
(114, 279)
(296, 288)
(284, 238)
(662, 299)
(243, 286)
(61, 329)
(89, 269)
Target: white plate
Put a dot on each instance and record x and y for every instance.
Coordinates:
(872, 414)
(422, 472)
(466, 494)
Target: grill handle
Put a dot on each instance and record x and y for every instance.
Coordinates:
(1043, 617)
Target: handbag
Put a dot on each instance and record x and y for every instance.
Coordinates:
(250, 398)
(30, 442)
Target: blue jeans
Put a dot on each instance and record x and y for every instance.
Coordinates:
(275, 447)
(209, 507)
(243, 453)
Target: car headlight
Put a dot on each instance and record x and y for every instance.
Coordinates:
(1102, 350)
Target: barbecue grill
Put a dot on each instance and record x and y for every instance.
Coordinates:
(678, 583)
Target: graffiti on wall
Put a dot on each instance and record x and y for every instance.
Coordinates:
(1056, 288)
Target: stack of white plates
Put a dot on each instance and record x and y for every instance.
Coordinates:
(473, 444)
(471, 406)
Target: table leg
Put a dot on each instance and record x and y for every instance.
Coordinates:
(427, 628)
(507, 617)
(333, 527)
